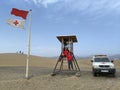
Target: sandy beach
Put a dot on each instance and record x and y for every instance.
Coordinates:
(12, 75)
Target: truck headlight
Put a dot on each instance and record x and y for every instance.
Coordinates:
(111, 66)
(96, 66)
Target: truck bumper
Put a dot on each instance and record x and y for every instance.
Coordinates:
(111, 71)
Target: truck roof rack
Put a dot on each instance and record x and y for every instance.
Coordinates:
(96, 56)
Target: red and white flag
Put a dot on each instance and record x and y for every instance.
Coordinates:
(16, 23)
(20, 13)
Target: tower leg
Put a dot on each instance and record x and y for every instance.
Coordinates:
(75, 65)
(61, 66)
(78, 73)
(54, 70)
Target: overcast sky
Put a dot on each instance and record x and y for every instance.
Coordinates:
(96, 23)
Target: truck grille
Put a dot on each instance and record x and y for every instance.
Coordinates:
(104, 66)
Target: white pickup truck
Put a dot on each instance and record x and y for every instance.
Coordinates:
(102, 64)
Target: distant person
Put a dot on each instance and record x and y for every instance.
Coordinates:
(70, 59)
(19, 52)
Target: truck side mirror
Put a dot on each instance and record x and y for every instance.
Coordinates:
(112, 61)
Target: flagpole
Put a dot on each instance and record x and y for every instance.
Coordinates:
(28, 48)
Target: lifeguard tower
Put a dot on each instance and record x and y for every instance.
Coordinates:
(66, 42)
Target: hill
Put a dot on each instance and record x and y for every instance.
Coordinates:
(14, 59)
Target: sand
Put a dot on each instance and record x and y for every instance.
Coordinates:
(12, 75)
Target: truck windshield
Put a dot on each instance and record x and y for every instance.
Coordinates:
(102, 60)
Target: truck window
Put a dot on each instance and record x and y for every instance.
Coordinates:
(102, 60)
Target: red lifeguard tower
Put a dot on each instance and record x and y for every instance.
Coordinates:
(66, 42)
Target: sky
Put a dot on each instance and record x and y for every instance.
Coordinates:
(96, 24)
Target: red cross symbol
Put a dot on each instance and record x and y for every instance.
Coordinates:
(16, 23)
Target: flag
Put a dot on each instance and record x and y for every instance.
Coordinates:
(20, 13)
(16, 23)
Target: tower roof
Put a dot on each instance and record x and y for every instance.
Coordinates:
(67, 38)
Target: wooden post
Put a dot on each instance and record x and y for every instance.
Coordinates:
(62, 45)
(29, 37)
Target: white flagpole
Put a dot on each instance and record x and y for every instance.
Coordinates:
(29, 37)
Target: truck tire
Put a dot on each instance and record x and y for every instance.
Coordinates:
(94, 74)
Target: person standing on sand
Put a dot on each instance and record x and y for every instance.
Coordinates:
(70, 58)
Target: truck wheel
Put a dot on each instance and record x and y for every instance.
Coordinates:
(94, 74)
